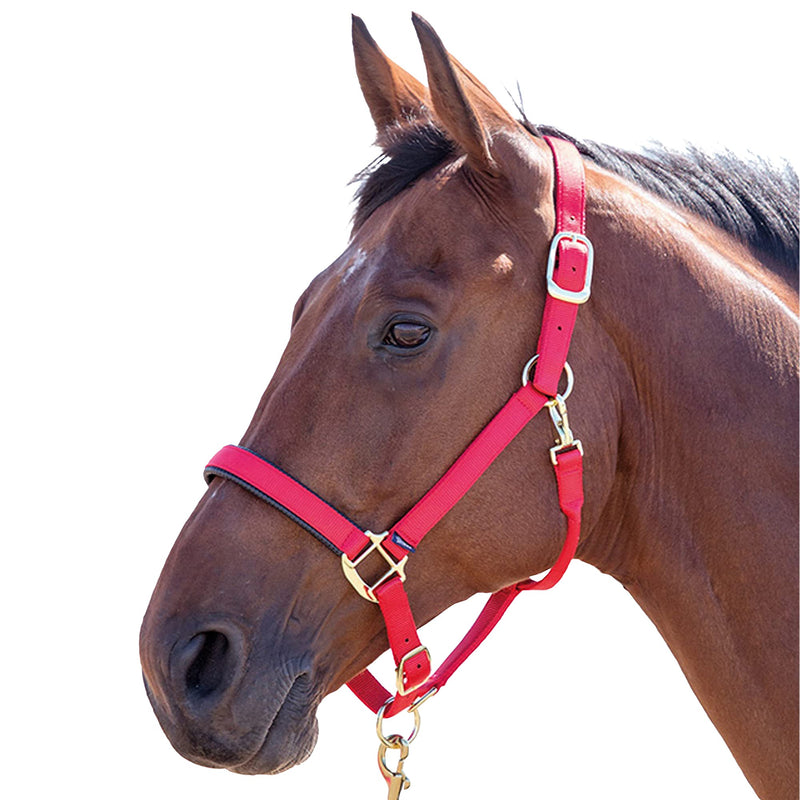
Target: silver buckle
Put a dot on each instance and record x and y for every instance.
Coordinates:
(553, 289)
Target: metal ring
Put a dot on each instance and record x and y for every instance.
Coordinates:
(526, 370)
(393, 739)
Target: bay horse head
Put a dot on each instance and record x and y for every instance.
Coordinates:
(400, 353)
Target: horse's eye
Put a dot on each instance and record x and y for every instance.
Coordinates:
(407, 335)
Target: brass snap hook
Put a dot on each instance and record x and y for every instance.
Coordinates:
(396, 778)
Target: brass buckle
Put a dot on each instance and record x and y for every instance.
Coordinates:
(350, 568)
(402, 689)
(553, 289)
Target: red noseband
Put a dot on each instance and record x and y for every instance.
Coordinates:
(569, 275)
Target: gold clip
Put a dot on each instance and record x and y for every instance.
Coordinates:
(395, 779)
(564, 436)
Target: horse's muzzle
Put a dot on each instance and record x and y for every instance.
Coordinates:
(221, 706)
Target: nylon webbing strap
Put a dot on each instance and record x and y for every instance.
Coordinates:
(520, 409)
(569, 471)
(280, 490)
(568, 281)
(571, 267)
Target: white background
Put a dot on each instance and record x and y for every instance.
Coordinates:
(172, 174)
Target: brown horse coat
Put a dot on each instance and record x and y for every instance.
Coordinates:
(686, 358)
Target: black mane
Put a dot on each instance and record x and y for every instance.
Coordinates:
(411, 152)
(752, 200)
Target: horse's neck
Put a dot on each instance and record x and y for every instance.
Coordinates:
(702, 523)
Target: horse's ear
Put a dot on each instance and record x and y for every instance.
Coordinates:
(463, 105)
(393, 96)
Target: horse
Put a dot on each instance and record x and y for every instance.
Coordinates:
(686, 371)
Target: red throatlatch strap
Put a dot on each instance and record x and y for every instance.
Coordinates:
(569, 478)
(559, 316)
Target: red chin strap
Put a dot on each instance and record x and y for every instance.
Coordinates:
(569, 273)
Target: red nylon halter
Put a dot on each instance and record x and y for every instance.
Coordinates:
(569, 276)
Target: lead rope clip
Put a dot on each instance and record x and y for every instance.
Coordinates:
(396, 779)
(565, 439)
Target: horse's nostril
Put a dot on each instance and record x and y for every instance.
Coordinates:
(208, 663)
